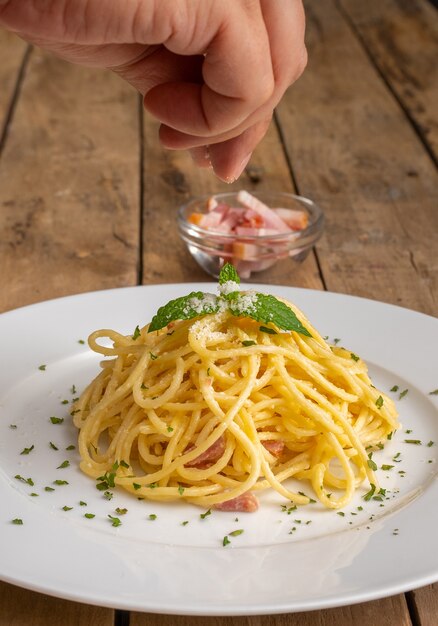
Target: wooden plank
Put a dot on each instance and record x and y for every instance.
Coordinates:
(354, 152)
(402, 39)
(172, 179)
(388, 612)
(13, 49)
(69, 180)
(20, 607)
(425, 604)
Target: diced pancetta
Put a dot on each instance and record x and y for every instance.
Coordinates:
(274, 446)
(271, 219)
(245, 503)
(210, 456)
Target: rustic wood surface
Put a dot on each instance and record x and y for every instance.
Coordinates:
(88, 201)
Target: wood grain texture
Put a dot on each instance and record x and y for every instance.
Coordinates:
(19, 607)
(13, 49)
(402, 38)
(387, 612)
(354, 152)
(172, 179)
(425, 605)
(69, 184)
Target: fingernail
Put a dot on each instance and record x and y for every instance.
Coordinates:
(239, 169)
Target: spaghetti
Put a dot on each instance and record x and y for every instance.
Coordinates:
(216, 408)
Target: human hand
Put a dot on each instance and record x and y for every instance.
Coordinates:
(211, 71)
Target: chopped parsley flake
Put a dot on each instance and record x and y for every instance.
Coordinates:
(115, 521)
(60, 482)
(430, 444)
(370, 493)
(434, 392)
(204, 515)
(17, 521)
(180, 490)
(64, 401)
(248, 342)
(403, 393)
(341, 513)
(354, 356)
(169, 429)
(108, 495)
(89, 515)
(153, 356)
(13, 426)
(387, 467)
(225, 541)
(82, 503)
(379, 402)
(73, 389)
(81, 341)
(28, 481)
(67, 508)
(236, 533)
(416, 442)
(52, 445)
(71, 447)
(266, 329)
(152, 517)
(136, 334)
(395, 388)
(184, 523)
(372, 465)
(336, 340)
(27, 450)
(63, 465)
(136, 486)
(48, 488)
(42, 367)
(121, 511)
(56, 420)
(124, 464)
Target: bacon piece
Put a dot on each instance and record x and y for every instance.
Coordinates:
(210, 456)
(245, 503)
(274, 446)
(294, 218)
(271, 219)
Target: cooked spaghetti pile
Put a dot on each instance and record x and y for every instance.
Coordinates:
(216, 408)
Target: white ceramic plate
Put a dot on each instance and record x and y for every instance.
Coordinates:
(308, 559)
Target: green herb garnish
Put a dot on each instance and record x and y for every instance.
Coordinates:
(403, 393)
(115, 521)
(17, 521)
(136, 334)
(354, 356)
(56, 420)
(27, 450)
(60, 482)
(63, 465)
(259, 307)
(42, 367)
(204, 515)
(152, 517)
(379, 402)
(248, 343)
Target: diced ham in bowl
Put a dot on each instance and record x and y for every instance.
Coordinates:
(251, 231)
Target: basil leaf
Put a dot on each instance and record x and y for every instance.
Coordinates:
(184, 308)
(267, 309)
(228, 274)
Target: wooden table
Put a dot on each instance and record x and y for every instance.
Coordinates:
(88, 201)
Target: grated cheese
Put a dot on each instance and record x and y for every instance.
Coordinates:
(229, 287)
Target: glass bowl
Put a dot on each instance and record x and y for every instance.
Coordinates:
(250, 252)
